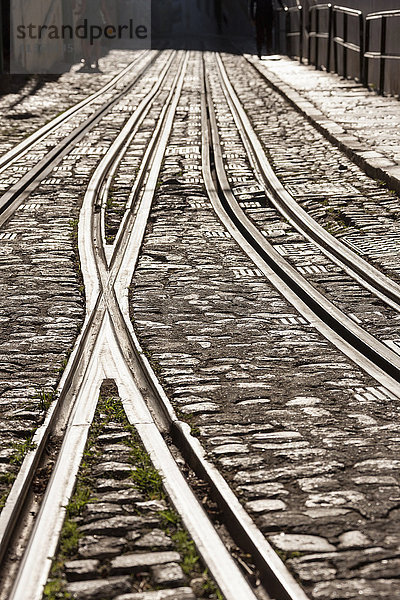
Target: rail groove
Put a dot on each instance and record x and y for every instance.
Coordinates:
(359, 269)
(364, 349)
(13, 197)
(368, 352)
(109, 350)
(59, 411)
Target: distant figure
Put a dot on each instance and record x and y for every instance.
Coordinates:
(95, 13)
(262, 14)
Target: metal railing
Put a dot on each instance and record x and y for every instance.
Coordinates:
(344, 42)
(1, 39)
(345, 31)
(315, 34)
(296, 10)
(382, 55)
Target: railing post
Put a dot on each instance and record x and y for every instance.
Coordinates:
(366, 50)
(329, 40)
(382, 60)
(361, 37)
(310, 12)
(345, 39)
(317, 23)
(287, 27)
(335, 46)
(277, 30)
(301, 23)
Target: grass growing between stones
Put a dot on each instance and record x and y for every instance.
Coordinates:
(191, 562)
(286, 555)
(83, 494)
(146, 479)
(44, 398)
(6, 480)
(21, 449)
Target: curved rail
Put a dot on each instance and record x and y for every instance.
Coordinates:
(14, 196)
(359, 269)
(361, 347)
(112, 351)
(60, 410)
(108, 348)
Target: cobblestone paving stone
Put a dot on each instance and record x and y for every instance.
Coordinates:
(311, 263)
(43, 98)
(125, 175)
(335, 192)
(121, 540)
(356, 111)
(41, 302)
(308, 442)
(12, 173)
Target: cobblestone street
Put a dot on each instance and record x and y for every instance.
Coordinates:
(204, 245)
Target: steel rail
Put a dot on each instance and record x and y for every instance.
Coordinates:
(38, 136)
(14, 197)
(240, 525)
(60, 409)
(370, 354)
(274, 575)
(359, 269)
(112, 357)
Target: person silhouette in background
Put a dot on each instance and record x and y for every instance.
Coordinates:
(95, 13)
(262, 14)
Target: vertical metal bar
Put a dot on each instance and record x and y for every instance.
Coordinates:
(301, 34)
(345, 34)
(335, 49)
(276, 43)
(367, 45)
(310, 20)
(1, 39)
(282, 32)
(317, 24)
(288, 47)
(382, 60)
(329, 40)
(361, 43)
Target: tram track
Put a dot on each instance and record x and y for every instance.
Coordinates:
(208, 316)
(27, 471)
(359, 269)
(364, 348)
(317, 203)
(12, 198)
(12, 155)
(108, 349)
(60, 410)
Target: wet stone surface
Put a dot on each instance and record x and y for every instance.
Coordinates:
(291, 423)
